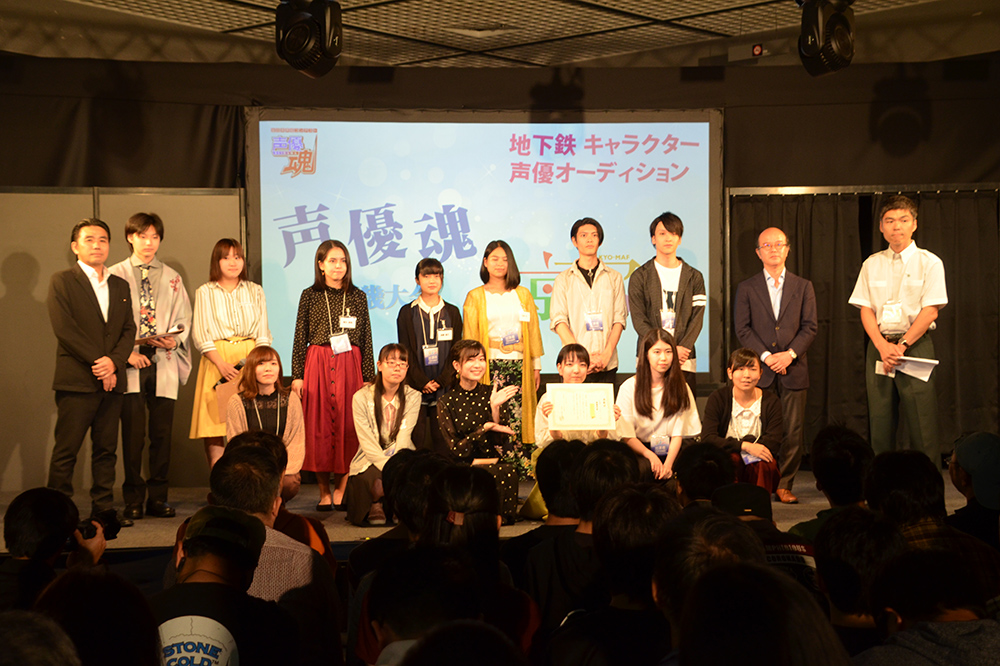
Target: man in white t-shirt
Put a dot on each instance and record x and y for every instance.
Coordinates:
(665, 292)
(899, 293)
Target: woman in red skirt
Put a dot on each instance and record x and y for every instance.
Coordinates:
(331, 359)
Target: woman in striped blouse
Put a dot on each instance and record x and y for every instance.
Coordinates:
(230, 319)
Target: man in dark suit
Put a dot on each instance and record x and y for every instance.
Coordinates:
(91, 314)
(776, 318)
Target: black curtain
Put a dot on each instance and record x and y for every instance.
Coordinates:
(962, 229)
(825, 248)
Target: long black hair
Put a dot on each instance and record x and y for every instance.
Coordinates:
(675, 393)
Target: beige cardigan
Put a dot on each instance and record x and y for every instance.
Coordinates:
(295, 432)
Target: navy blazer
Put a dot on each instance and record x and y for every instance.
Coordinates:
(82, 334)
(795, 327)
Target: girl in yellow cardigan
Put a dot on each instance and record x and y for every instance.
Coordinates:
(502, 316)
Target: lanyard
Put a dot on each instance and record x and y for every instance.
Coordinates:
(430, 316)
(343, 309)
(277, 408)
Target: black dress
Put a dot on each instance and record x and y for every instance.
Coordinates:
(462, 415)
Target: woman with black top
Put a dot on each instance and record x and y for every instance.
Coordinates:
(331, 359)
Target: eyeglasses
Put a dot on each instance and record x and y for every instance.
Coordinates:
(396, 365)
(777, 246)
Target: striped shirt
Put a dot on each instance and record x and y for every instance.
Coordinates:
(218, 314)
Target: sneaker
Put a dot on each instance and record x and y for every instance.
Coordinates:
(376, 515)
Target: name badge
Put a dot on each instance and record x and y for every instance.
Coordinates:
(348, 322)
(511, 338)
(660, 445)
(593, 321)
(525, 317)
(445, 334)
(340, 343)
(668, 320)
(892, 313)
(430, 354)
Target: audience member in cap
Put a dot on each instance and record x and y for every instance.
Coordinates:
(975, 472)
(631, 630)
(840, 460)
(462, 643)
(745, 421)
(249, 479)
(907, 488)
(563, 574)
(553, 469)
(36, 528)
(210, 606)
(32, 639)
(851, 549)
(787, 552)
(766, 618)
(106, 617)
(931, 610)
(700, 470)
(697, 542)
(417, 590)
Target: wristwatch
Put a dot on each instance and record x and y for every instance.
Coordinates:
(904, 343)
(791, 352)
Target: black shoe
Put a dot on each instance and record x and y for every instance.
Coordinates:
(324, 507)
(160, 509)
(132, 512)
(125, 521)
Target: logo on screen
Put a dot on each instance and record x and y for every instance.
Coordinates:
(299, 146)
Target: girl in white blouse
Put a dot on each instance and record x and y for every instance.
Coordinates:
(658, 404)
(230, 319)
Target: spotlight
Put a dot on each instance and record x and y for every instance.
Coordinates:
(826, 44)
(308, 35)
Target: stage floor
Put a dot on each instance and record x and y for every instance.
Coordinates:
(159, 532)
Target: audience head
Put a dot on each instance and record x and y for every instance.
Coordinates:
(332, 256)
(247, 479)
(851, 549)
(701, 469)
(33, 639)
(768, 619)
(463, 510)
(464, 642)
(232, 538)
(627, 526)
(975, 468)
(410, 487)
(905, 487)
(38, 523)
(263, 366)
(264, 440)
(554, 471)
(694, 544)
(587, 222)
(746, 501)
(605, 465)
(106, 617)
(419, 589)
(840, 460)
(498, 262)
(221, 253)
(921, 585)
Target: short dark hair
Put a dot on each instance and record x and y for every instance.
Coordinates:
(89, 222)
(247, 478)
(33, 639)
(513, 275)
(265, 440)
(742, 358)
(221, 250)
(554, 471)
(919, 584)
(701, 469)
(413, 480)
(319, 280)
(840, 460)
(694, 543)
(851, 548)
(605, 465)
(670, 222)
(905, 487)
(898, 202)
(628, 523)
(429, 266)
(421, 588)
(139, 222)
(38, 522)
(584, 221)
(573, 352)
